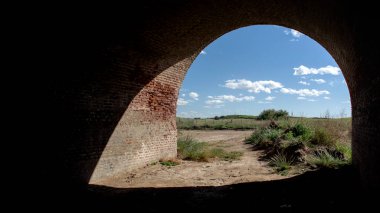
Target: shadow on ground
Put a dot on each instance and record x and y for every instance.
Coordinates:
(325, 190)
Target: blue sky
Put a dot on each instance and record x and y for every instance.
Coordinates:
(260, 67)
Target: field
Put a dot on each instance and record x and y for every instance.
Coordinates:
(207, 172)
(219, 124)
(238, 149)
(340, 127)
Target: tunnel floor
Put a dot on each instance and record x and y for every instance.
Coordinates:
(327, 190)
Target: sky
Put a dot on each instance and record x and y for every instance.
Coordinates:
(264, 67)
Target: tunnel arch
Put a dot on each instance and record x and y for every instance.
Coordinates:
(153, 135)
(132, 73)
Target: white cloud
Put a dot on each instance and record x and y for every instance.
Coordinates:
(230, 98)
(296, 33)
(183, 95)
(203, 52)
(327, 98)
(214, 106)
(214, 101)
(312, 100)
(303, 82)
(194, 95)
(256, 86)
(264, 102)
(182, 102)
(303, 70)
(318, 81)
(304, 92)
(301, 98)
(270, 98)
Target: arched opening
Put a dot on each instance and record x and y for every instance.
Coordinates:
(113, 89)
(280, 68)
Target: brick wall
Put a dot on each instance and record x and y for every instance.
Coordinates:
(147, 131)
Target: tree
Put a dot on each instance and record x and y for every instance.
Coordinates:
(272, 114)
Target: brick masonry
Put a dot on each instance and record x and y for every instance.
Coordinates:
(147, 131)
(115, 82)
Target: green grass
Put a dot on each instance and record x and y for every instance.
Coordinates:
(238, 122)
(281, 163)
(222, 154)
(346, 150)
(326, 160)
(190, 149)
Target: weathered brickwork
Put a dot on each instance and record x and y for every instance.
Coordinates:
(147, 131)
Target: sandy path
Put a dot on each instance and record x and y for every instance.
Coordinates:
(215, 173)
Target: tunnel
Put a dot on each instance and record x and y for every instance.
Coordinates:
(117, 78)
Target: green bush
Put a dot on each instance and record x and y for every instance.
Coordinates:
(272, 114)
(288, 136)
(189, 149)
(281, 162)
(301, 131)
(272, 135)
(322, 138)
(323, 159)
(264, 137)
(346, 150)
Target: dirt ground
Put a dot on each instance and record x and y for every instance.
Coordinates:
(214, 173)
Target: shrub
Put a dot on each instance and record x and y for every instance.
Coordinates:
(289, 136)
(323, 159)
(346, 150)
(272, 114)
(322, 138)
(281, 162)
(189, 149)
(301, 131)
(272, 135)
(264, 137)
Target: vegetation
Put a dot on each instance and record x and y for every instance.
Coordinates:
(281, 163)
(235, 117)
(169, 162)
(323, 144)
(272, 114)
(220, 123)
(190, 149)
(316, 142)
